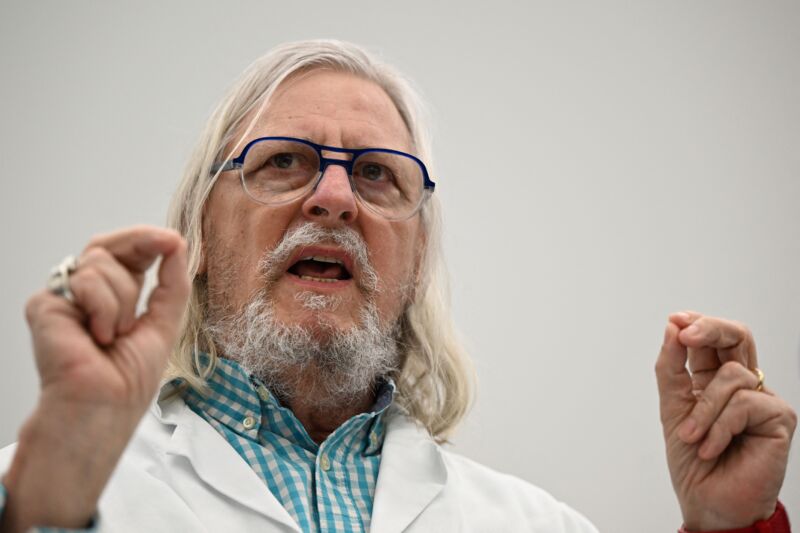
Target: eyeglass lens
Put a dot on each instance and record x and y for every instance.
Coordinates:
(278, 171)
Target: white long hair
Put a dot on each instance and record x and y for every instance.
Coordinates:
(436, 383)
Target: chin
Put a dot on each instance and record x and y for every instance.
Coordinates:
(320, 323)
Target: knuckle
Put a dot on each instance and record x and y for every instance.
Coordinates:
(731, 370)
(97, 241)
(739, 398)
(34, 306)
(785, 433)
(81, 281)
(743, 330)
(791, 418)
(95, 253)
(95, 297)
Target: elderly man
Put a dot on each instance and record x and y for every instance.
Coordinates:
(314, 372)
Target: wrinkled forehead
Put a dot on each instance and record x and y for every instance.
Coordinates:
(329, 107)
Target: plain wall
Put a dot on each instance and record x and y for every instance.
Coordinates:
(601, 164)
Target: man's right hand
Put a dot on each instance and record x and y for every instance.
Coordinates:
(100, 366)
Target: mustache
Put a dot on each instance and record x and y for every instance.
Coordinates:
(273, 264)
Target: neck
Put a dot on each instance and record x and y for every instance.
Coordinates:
(321, 416)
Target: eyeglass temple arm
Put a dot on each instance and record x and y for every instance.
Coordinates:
(224, 167)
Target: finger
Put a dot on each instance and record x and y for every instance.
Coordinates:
(674, 381)
(96, 298)
(168, 300)
(732, 340)
(700, 381)
(701, 378)
(729, 379)
(137, 247)
(44, 304)
(750, 412)
(683, 319)
(701, 359)
(125, 285)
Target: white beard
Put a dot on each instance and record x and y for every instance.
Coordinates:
(341, 364)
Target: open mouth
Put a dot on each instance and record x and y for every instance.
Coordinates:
(320, 268)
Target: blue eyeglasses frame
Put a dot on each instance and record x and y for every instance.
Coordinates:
(324, 162)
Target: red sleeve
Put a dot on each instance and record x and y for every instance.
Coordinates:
(777, 523)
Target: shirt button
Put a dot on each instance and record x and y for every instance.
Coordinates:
(324, 462)
(263, 393)
(249, 422)
(373, 438)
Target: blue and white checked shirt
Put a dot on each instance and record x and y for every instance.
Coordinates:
(327, 487)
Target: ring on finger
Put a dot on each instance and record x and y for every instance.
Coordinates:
(760, 375)
(58, 282)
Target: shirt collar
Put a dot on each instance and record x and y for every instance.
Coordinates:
(245, 405)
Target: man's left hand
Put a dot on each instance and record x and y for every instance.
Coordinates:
(727, 442)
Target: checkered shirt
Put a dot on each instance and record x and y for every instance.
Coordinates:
(328, 487)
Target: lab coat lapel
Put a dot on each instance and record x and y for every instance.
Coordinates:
(217, 463)
(411, 475)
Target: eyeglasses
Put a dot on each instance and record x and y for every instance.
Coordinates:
(278, 170)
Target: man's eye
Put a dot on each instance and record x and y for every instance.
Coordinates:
(374, 172)
(285, 160)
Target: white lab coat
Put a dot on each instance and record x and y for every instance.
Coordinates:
(179, 475)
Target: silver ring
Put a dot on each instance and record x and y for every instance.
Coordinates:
(58, 282)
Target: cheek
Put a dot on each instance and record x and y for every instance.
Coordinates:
(395, 258)
(237, 234)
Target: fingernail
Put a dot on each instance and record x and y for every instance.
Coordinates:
(692, 330)
(687, 429)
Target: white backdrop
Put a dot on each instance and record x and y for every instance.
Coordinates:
(601, 164)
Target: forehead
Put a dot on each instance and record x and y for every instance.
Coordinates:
(334, 108)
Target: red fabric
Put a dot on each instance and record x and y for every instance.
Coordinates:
(777, 523)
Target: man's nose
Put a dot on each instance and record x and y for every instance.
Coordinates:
(333, 201)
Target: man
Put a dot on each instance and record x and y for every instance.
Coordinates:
(315, 369)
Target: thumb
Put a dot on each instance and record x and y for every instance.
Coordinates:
(167, 302)
(674, 380)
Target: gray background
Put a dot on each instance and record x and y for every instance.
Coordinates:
(601, 164)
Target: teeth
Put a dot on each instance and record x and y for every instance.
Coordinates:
(323, 259)
(324, 280)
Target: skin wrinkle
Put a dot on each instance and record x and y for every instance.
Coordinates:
(336, 365)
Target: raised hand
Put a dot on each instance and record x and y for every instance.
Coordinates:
(727, 442)
(99, 366)
(96, 350)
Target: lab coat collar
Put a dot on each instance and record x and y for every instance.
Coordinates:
(216, 462)
(411, 475)
(412, 471)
